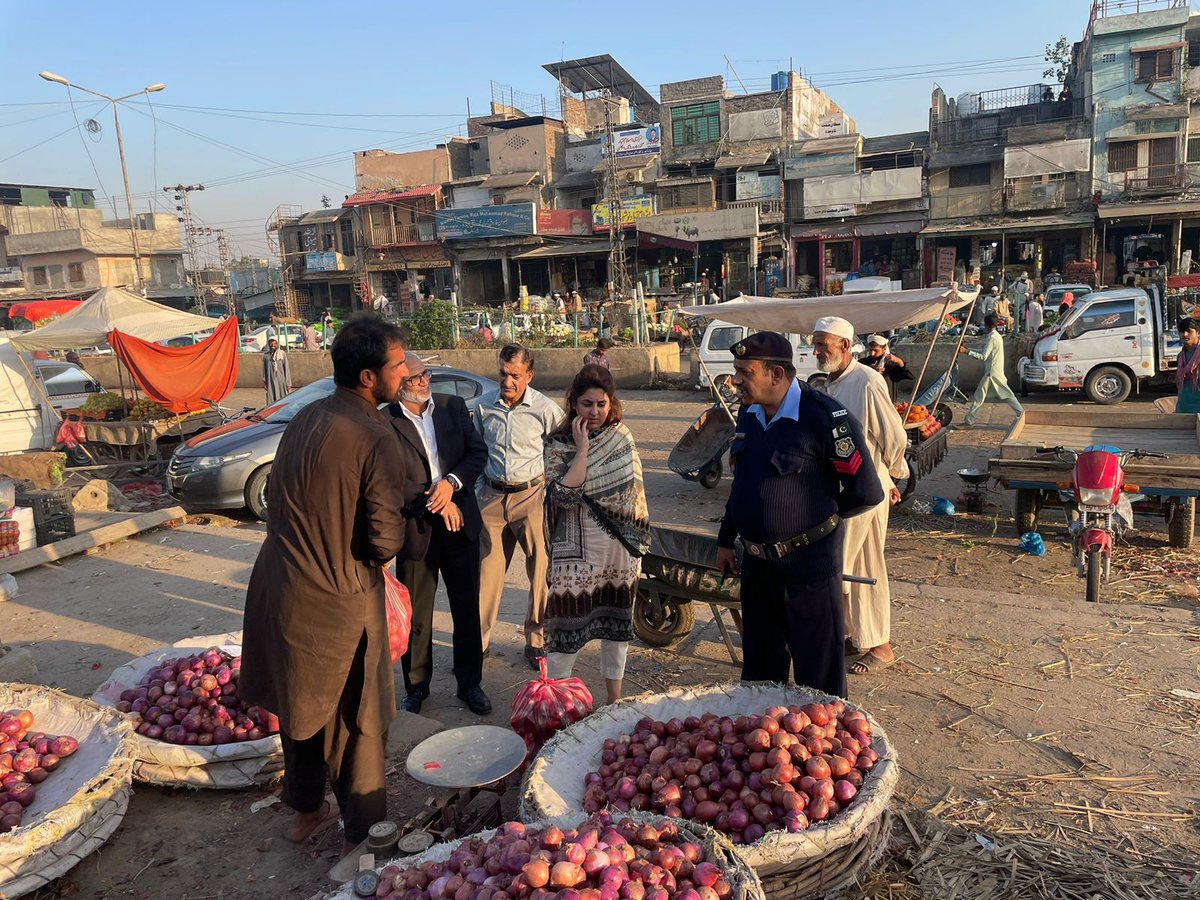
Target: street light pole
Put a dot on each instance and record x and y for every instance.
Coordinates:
(139, 283)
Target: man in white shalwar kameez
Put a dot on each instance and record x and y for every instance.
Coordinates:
(865, 394)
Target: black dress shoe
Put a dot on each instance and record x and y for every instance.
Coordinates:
(477, 701)
(412, 702)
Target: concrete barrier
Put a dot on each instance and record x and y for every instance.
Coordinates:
(632, 367)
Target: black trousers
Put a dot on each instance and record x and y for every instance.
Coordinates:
(793, 620)
(456, 558)
(352, 762)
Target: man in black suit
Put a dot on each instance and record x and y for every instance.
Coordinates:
(438, 437)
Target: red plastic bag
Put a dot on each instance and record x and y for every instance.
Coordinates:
(544, 705)
(71, 434)
(399, 614)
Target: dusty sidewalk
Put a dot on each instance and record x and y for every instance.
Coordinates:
(1010, 698)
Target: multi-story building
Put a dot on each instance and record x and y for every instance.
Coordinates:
(1137, 65)
(1008, 184)
(856, 206)
(317, 252)
(55, 243)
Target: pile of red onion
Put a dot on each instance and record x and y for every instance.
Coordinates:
(26, 759)
(787, 769)
(602, 859)
(194, 700)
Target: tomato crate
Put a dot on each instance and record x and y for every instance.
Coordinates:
(53, 516)
(54, 528)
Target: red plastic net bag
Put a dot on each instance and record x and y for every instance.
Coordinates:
(544, 705)
(399, 614)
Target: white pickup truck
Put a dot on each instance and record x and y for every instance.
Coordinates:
(1108, 344)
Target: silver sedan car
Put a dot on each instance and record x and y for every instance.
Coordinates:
(229, 467)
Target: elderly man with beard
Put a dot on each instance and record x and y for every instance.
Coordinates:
(863, 391)
(315, 644)
(801, 465)
(440, 443)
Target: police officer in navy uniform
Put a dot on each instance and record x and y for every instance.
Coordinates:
(800, 467)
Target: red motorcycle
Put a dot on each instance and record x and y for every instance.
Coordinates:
(1098, 505)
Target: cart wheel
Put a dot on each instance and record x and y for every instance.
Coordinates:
(906, 486)
(943, 415)
(101, 455)
(1027, 506)
(711, 474)
(661, 624)
(1181, 523)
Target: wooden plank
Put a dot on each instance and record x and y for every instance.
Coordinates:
(1049, 415)
(96, 537)
(1145, 476)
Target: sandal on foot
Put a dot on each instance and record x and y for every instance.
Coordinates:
(331, 814)
(870, 663)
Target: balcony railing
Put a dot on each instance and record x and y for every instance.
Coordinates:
(770, 211)
(1103, 9)
(1167, 178)
(392, 235)
(992, 126)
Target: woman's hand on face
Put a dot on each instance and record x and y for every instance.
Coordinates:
(579, 431)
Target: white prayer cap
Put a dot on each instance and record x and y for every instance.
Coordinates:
(836, 326)
(877, 339)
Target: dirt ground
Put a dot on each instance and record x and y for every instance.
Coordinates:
(1019, 712)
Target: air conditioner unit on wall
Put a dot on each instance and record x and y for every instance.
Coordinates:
(636, 176)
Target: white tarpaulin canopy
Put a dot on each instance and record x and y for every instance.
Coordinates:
(89, 323)
(868, 313)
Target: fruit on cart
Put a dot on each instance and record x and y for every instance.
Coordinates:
(917, 413)
(146, 409)
(27, 758)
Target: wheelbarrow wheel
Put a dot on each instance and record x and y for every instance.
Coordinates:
(943, 414)
(711, 474)
(661, 624)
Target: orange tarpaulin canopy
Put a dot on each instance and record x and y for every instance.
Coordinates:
(178, 377)
(36, 310)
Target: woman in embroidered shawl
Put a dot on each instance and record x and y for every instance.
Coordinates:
(599, 530)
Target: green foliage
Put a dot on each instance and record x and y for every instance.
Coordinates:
(103, 402)
(1058, 57)
(434, 327)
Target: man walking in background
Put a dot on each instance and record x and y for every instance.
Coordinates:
(993, 380)
(315, 645)
(440, 442)
(514, 422)
(865, 394)
(277, 374)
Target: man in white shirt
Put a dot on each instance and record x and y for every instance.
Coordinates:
(865, 394)
(442, 524)
(514, 422)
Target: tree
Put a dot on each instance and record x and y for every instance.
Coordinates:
(326, 202)
(434, 327)
(1058, 55)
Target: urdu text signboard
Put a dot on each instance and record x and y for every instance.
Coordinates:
(638, 141)
(632, 209)
(328, 261)
(718, 225)
(564, 222)
(505, 220)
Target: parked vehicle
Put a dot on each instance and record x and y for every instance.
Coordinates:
(1054, 295)
(230, 467)
(290, 335)
(66, 384)
(718, 337)
(32, 392)
(1107, 344)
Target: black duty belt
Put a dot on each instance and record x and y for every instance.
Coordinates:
(783, 548)
(505, 487)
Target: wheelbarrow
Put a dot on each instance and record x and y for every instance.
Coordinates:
(680, 569)
(697, 456)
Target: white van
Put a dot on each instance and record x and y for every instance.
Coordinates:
(27, 420)
(718, 361)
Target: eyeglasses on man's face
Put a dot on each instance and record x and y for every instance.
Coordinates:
(417, 379)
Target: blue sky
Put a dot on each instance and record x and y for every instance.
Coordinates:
(252, 88)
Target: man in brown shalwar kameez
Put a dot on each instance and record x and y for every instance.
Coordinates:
(315, 647)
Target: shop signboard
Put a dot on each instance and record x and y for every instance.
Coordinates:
(753, 186)
(504, 220)
(632, 210)
(946, 257)
(638, 141)
(565, 222)
(717, 225)
(328, 261)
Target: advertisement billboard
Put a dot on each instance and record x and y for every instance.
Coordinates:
(632, 209)
(638, 141)
(506, 220)
(566, 222)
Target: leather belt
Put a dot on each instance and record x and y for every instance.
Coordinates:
(783, 548)
(505, 487)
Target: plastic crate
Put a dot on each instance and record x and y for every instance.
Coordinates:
(54, 528)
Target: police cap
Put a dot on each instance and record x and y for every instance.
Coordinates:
(769, 346)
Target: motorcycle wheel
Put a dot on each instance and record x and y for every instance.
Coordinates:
(1092, 572)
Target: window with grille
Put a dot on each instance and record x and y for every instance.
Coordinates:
(971, 176)
(75, 272)
(685, 196)
(1108, 57)
(1193, 148)
(1122, 157)
(1154, 65)
(696, 123)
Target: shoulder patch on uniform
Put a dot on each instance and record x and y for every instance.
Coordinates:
(840, 412)
(841, 430)
(844, 447)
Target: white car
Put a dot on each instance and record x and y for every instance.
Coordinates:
(290, 335)
(718, 361)
(67, 385)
